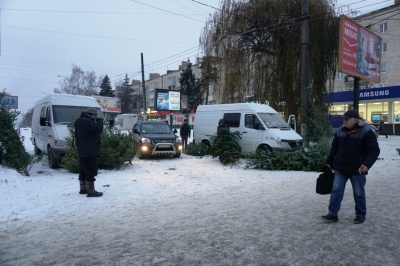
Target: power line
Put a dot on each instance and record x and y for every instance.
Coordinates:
(205, 5)
(185, 6)
(167, 11)
(91, 12)
(94, 36)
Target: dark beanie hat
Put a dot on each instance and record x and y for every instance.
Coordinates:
(91, 110)
(351, 113)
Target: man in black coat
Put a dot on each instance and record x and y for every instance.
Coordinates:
(353, 152)
(185, 133)
(88, 128)
(382, 128)
(222, 127)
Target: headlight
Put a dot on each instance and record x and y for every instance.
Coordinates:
(146, 141)
(178, 140)
(58, 143)
(283, 144)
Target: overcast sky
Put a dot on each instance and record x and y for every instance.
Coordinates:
(42, 39)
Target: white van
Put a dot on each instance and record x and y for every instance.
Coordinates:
(260, 126)
(50, 119)
(125, 121)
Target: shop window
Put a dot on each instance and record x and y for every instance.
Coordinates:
(378, 111)
(396, 112)
(338, 109)
(362, 110)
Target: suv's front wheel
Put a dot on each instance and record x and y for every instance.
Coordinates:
(177, 155)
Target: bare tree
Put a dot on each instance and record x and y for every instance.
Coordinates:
(79, 83)
(256, 48)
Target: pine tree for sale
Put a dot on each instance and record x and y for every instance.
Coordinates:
(13, 151)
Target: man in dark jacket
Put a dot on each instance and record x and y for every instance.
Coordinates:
(382, 128)
(222, 127)
(88, 128)
(185, 133)
(353, 152)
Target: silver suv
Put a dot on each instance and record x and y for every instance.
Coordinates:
(156, 138)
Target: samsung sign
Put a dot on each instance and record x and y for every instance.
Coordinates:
(367, 94)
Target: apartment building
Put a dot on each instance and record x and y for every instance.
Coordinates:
(378, 101)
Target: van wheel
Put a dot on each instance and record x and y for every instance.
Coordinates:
(53, 162)
(206, 146)
(36, 150)
(264, 149)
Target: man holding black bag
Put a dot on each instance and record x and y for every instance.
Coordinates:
(354, 150)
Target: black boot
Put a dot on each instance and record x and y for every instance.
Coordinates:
(83, 189)
(91, 192)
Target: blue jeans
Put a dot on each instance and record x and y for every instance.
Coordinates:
(339, 184)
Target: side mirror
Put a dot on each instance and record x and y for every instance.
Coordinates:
(136, 131)
(175, 131)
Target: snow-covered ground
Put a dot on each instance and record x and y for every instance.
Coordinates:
(194, 211)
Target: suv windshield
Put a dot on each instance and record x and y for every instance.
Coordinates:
(159, 128)
(273, 120)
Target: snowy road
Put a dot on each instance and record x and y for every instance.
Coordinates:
(193, 211)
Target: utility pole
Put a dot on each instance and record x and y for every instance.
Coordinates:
(305, 58)
(144, 88)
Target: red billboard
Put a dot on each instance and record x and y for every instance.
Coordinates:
(108, 104)
(359, 51)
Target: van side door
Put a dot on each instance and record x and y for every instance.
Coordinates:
(252, 133)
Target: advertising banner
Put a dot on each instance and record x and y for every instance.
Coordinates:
(167, 100)
(108, 104)
(359, 51)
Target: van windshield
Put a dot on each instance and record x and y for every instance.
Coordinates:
(63, 114)
(273, 120)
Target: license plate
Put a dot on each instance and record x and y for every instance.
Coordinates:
(164, 146)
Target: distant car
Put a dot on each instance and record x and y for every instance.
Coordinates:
(156, 138)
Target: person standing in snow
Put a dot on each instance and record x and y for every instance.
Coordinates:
(88, 128)
(222, 126)
(382, 128)
(185, 133)
(353, 152)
